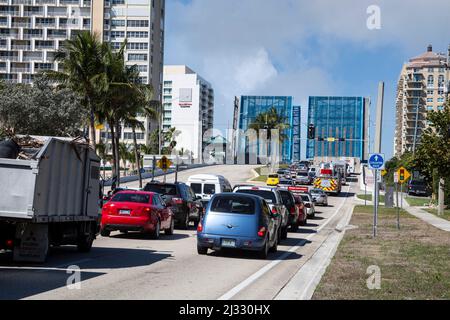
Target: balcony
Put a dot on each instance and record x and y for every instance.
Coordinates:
(21, 47)
(69, 2)
(29, 13)
(10, 12)
(21, 24)
(30, 2)
(13, 69)
(32, 56)
(32, 35)
(52, 12)
(45, 1)
(9, 58)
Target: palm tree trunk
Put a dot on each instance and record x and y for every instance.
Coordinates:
(92, 139)
(114, 151)
(117, 138)
(137, 156)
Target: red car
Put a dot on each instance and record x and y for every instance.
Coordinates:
(302, 216)
(137, 211)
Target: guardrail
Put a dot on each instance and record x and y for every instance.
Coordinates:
(158, 173)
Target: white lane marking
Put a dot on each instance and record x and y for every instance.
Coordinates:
(230, 294)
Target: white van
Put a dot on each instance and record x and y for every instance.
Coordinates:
(207, 185)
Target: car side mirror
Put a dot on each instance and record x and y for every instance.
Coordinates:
(198, 198)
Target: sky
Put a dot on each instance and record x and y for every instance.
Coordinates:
(303, 48)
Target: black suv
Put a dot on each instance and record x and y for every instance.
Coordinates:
(289, 202)
(418, 188)
(184, 204)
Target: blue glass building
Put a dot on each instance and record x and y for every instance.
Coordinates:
(251, 106)
(296, 133)
(342, 118)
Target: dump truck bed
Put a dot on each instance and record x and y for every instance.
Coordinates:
(59, 183)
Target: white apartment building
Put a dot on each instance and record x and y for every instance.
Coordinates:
(141, 23)
(188, 106)
(32, 30)
(423, 86)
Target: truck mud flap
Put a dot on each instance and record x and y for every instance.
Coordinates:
(33, 243)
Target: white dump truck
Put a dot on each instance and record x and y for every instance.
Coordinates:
(49, 198)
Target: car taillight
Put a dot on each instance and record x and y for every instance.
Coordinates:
(9, 243)
(262, 232)
(293, 210)
(274, 210)
(200, 227)
(177, 201)
(147, 210)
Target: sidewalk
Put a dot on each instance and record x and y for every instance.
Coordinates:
(427, 217)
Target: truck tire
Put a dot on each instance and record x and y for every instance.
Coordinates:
(85, 241)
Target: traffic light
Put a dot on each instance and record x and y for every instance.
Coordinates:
(402, 175)
(311, 132)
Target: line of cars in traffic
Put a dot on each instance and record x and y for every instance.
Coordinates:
(247, 217)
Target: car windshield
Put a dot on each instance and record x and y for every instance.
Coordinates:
(131, 197)
(418, 183)
(302, 174)
(285, 182)
(163, 189)
(233, 204)
(273, 176)
(209, 189)
(197, 187)
(315, 191)
(269, 196)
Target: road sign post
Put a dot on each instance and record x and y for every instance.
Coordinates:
(398, 205)
(376, 163)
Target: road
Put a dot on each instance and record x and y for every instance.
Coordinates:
(134, 267)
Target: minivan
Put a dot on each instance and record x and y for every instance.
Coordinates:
(207, 185)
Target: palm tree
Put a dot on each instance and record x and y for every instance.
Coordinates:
(269, 121)
(81, 62)
(170, 136)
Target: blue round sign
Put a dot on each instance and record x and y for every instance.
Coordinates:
(376, 161)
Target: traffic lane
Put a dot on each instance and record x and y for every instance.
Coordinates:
(308, 240)
(182, 275)
(234, 173)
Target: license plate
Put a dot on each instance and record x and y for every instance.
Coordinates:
(124, 212)
(228, 243)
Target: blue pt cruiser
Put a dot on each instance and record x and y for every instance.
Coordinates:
(238, 221)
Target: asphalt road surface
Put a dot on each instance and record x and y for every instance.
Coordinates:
(133, 267)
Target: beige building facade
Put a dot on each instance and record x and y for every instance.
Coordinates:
(423, 86)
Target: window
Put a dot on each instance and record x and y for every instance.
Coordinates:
(233, 204)
(440, 99)
(118, 23)
(137, 23)
(168, 84)
(197, 187)
(142, 68)
(440, 108)
(430, 69)
(162, 189)
(209, 189)
(118, 1)
(429, 99)
(430, 81)
(137, 57)
(137, 46)
(441, 70)
(137, 34)
(115, 45)
(430, 92)
(429, 108)
(269, 196)
(441, 81)
(117, 34)
(441, 91)
(131, 197)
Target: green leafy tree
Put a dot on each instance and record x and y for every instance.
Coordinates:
(432, 156)
(41, 109)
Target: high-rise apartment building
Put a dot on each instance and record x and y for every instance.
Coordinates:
(32, 30)
(341, 127)
(141, 24)
(423, 86)
(250, 107)
(188, 106)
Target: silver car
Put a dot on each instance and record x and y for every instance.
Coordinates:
(309, 204)
(319, 197)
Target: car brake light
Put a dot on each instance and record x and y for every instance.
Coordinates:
(255, 188)
(9, 243)
(262, 232)
(177, 201)
(274, 210)
(147, 210)
(200, 227)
